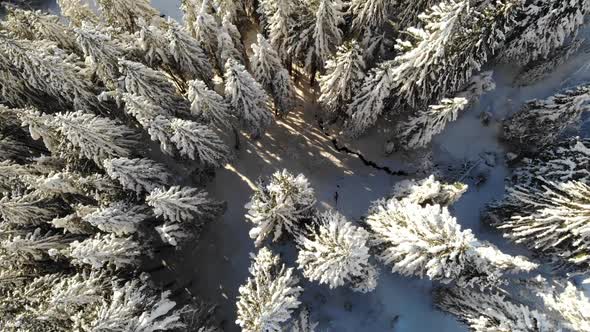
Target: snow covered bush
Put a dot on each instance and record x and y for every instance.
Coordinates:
(269, 297)
(279, 205)
(336, 253)
(541, 122)
(426, 240)
(303, 323)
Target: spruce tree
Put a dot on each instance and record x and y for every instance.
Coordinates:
(247, 98)
(336, 253)
(541, 122)
(279, 205)
(343, 77)
(269, 297)
(269, 72)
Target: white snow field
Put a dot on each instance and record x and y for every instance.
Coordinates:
(219, 262)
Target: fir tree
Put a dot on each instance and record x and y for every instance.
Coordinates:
(281, 20)
(344, 75)
(279, 206)
(369, 15)
(319, 40)
(36, 25)
(105, 250)
(549, 219)
(269, 296)
(208, 105)
(541, 122)
(432, 64)
(120, 218)
(126, 13)
(190, 59)
(49, 72)
(153, 85)
(135, 307)
(182, 204)
(541, 27)
(491, 311)
(102, 53)
(139, 175)
(77, 12)
(247, 98)
(426, 240)
(269, 72)
(92, 137)
(336, 253)
(419, 130)
(429, 191)
(540, 69)
(303, 322)
(199, 142)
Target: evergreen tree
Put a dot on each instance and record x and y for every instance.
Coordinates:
(190, 60)
(429, 191)
(120, 218)
(139, 175)
(135, 307)
(367, 104)
(269, 296)
(105, 250)
(49, 72)
(279, 206)
(182, 204)
(77, 12)
(548, 219)
(153, 85)
(426, 240)
(176, 136)
(102, 53)
(269, 72)
(369, 15)
(247, 98)
(316, 42)
(437, 61)
(344, 75)
(419, 130)
(563, 302)
(199, 142)
(203, 26)
(408, 11)
(303, 322)
(126, 13)
(538, 70)
(336, 253)
(208, 105)
(92, 137)
(281, 20)
(541, 27)
(36, 25)
(541, 122)
(492, 311)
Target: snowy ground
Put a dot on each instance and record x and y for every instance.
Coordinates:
(219, 263)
